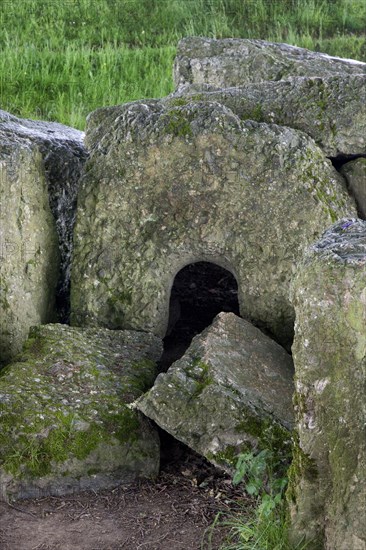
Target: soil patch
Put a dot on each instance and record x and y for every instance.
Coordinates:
(175, 512)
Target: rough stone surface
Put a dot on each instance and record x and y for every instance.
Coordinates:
(332, 110)
(233, 62)
(170, 186)
(328, 477)
(63, 157)
(231, 392)
(29, 256)
(64, 421)
(355, 174)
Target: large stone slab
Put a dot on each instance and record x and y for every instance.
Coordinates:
(355, 174)
(233, 62)
(169, 186)
(332, 109)
(231, 392)
(64, 421)
(29, 255)
(40, 168)
(328, 477)
(63, 157)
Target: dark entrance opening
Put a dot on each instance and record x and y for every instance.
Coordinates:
(200, 291)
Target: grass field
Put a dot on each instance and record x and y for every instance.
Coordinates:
(60, 59)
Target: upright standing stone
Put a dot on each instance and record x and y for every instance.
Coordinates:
(327, 493)
(63, 157)
(169, 186)
(29, 256)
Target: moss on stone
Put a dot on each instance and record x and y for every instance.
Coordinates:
(143, 374)
(302, 467)
(4, 291)
(177, 123)
(270, 435)
(119, 297)
(64, 404)
(34, 346)
(122, 425)
(257, 114)
(227, 458)
(40, 445)
(199, 371)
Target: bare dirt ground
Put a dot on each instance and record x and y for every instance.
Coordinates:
(175, 512)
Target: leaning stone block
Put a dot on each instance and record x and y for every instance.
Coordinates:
(64, 421)
(330, 109)
(169, 186)
(327, 493)
(233, 62)
(231, 392)
(355, 174)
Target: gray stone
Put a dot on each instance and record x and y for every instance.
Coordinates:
(29, 256)
(332, 109)
(231, 392)
(170, 186)
(355, 174)
(65, 425)
(63, 157)
(233, 62)
(327, 493)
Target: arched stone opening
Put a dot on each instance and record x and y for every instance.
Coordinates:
(199, 292)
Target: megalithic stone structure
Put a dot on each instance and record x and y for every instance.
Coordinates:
(327, 493)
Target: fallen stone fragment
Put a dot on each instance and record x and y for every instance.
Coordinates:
(231, 392)
(327, 494)
(355, 174)
(64, 421)
(233, 62)
(169, 186)
(331, 109)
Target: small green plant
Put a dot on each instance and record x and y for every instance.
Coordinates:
(264, 526)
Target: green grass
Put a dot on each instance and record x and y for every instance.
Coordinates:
(263, 525)
(253, 531)
(60, 60)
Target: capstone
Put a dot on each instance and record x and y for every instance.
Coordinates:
(233, 62)
(330, 109)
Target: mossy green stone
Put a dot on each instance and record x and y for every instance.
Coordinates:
(327, 490)
(64, 411)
